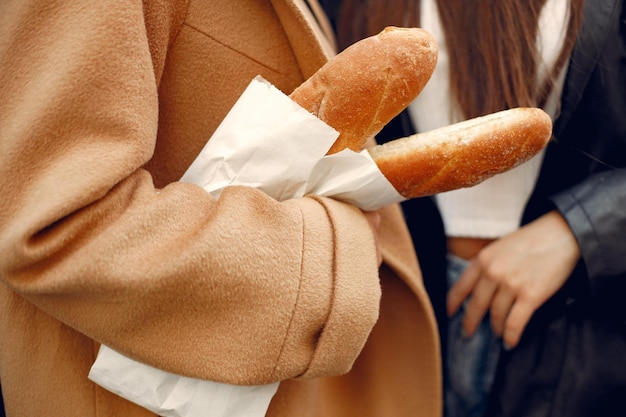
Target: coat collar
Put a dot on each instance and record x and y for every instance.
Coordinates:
(310, 46)
(591, 41)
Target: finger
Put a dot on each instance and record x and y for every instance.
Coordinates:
(500, 308)
(374, 219)
(478, 305)
(516, 322)
(462, 288)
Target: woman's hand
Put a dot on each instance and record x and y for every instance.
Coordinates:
(513, 276)
(374, 219)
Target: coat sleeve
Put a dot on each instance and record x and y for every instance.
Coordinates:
(239, 290)
(595, 136)
(594, 210)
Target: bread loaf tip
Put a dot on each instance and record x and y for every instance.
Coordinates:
(463, 154)
(365, 86)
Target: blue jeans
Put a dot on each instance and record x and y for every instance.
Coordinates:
(471, 361)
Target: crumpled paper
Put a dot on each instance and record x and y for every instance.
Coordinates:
(269, 142)
(171, 395)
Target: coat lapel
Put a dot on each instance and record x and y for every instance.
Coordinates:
(310, 46)
(591, 41)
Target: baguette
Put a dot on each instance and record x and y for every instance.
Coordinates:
(462, 154)
(369, 83)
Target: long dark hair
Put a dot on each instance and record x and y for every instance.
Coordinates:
(491, 45)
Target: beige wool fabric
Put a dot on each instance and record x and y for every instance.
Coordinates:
(104, 105)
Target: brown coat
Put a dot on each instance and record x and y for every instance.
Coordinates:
(103, 106)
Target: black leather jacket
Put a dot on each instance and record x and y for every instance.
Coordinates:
(571, 360)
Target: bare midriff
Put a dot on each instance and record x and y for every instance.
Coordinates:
(466, 247)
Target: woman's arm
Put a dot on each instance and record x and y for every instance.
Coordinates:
(240, 290)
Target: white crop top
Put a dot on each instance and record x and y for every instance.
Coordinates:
(494, 207)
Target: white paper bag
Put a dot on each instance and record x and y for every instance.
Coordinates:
(269, 142)
(171, 395)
